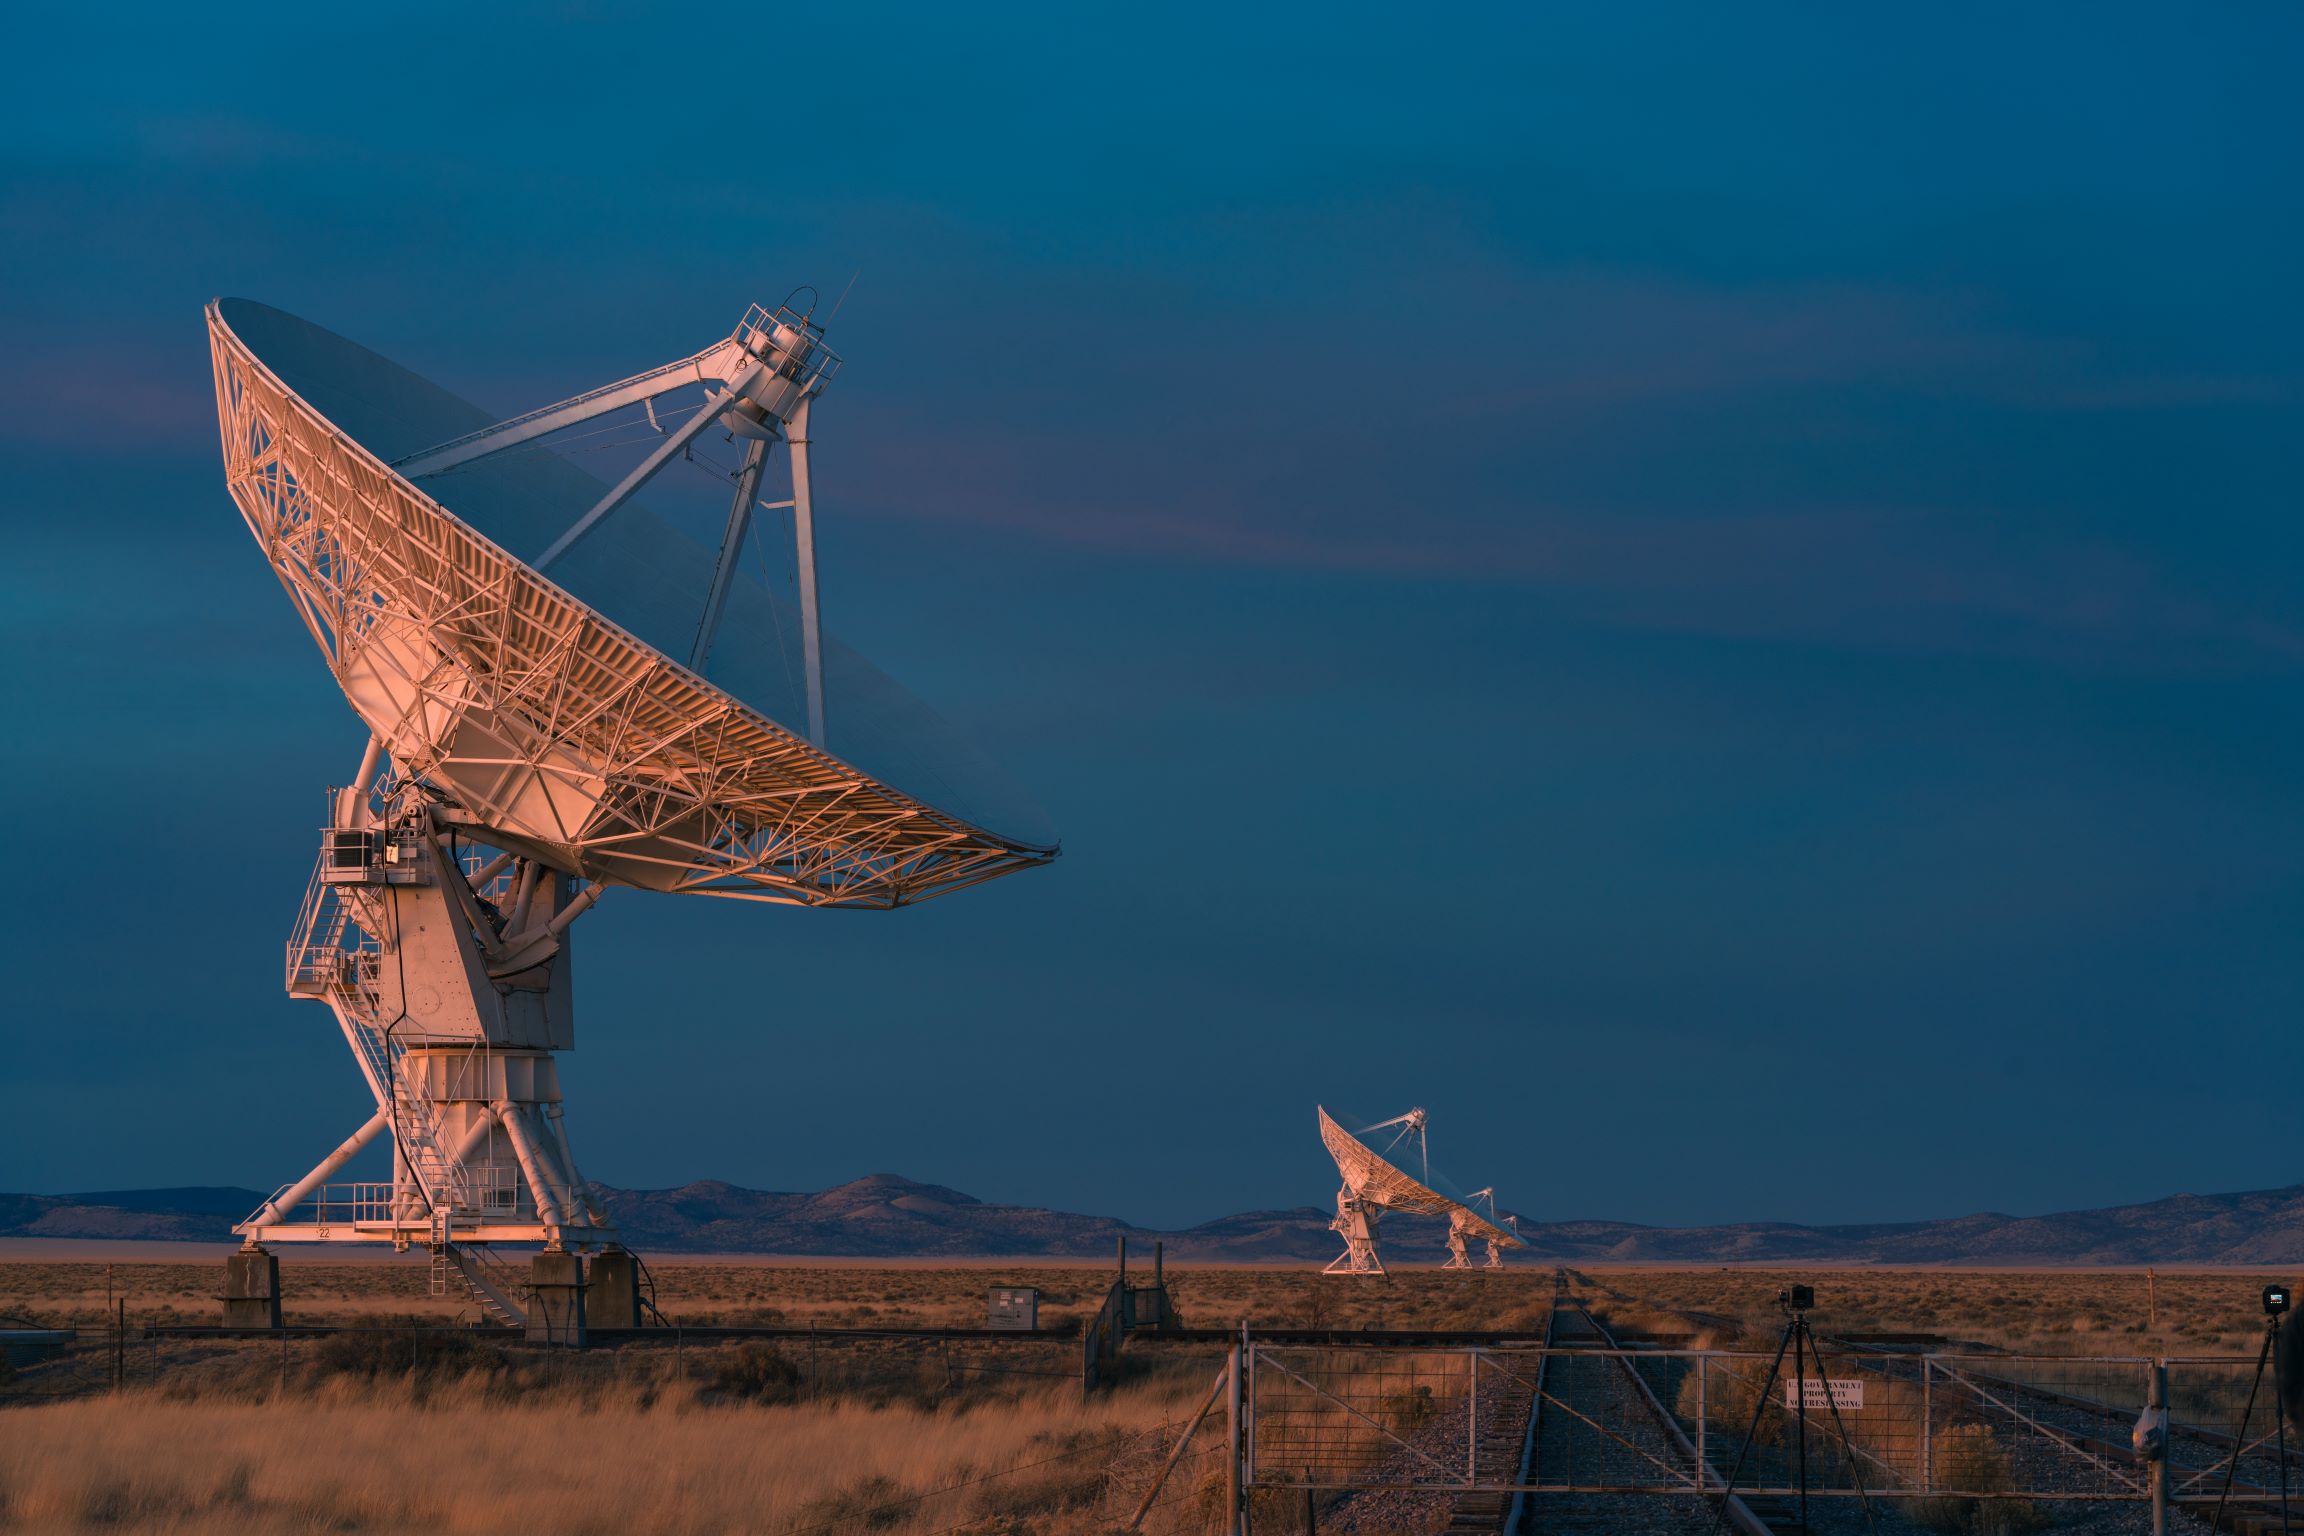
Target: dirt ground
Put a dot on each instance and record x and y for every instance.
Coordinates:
(2075, 1312)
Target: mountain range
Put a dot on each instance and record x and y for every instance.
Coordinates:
(884, 1216)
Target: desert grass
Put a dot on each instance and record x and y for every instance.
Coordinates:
(2062, 1312)
(74, 1294)
(385, 1454)
(858, 1434)
(1518, 1299)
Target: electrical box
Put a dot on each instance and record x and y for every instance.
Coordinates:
(1146, 1306)
(1014, 1307)
(367, 856)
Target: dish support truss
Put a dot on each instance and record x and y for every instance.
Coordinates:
(576, 743)
(447, 966)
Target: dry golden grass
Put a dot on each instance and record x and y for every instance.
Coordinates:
(73, 1294)
(453, 1456)
(77, 1295)
(1516, 1299)
(2055, 1312)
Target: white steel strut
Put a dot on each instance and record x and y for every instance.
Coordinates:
(762, 378)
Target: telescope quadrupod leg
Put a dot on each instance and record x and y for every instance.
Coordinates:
(804, 567)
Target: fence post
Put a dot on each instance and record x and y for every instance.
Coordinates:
(1702, 1361)
(1247, 1430)
(1927, 1425)
(1235, 1495)
(1472, 1425)
(2156, 1398)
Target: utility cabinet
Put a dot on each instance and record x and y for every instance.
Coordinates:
(1014, 1307)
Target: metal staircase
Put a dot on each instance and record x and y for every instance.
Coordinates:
(486, 1277)
(332, 958)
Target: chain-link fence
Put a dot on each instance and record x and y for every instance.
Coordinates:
(1317, 1427)
(1870, 1425)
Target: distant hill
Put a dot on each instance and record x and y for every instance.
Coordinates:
(198, 1213)
(887, 1216)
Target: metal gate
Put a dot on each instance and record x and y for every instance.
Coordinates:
(1904, 1426)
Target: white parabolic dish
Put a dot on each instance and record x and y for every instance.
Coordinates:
(552, 710)
(1374, 1178)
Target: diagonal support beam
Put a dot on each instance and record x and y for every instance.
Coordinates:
(731, 545)
(713, 365)
(646, 469)
(277, 1208)
(804, 550)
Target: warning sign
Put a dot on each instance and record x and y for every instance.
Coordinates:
(1847, 1396)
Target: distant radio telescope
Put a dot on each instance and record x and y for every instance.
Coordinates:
(1375, 1183)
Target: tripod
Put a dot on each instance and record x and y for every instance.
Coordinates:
(2269, 1353)
(1800, 1339)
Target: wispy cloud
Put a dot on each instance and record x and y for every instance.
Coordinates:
(1838, 463)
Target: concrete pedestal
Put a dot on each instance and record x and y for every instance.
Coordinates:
(556, 1299)
(612, 1297)
(252, 1289)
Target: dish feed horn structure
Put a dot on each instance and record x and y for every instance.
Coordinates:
(564, 692)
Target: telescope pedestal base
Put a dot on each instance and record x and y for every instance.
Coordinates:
(612, 1292)
(556, 1307)
(252, 1289)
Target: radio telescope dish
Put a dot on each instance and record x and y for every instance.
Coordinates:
(575, 715)
(564, 692)
(1374, 1183)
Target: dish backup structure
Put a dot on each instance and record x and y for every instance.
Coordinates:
(536, 739)
(1374, 1183)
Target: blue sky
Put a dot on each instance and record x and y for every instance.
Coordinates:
(1713, 596)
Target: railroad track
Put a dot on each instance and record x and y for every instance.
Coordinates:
(1602, 1437)
(1501, 1428)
